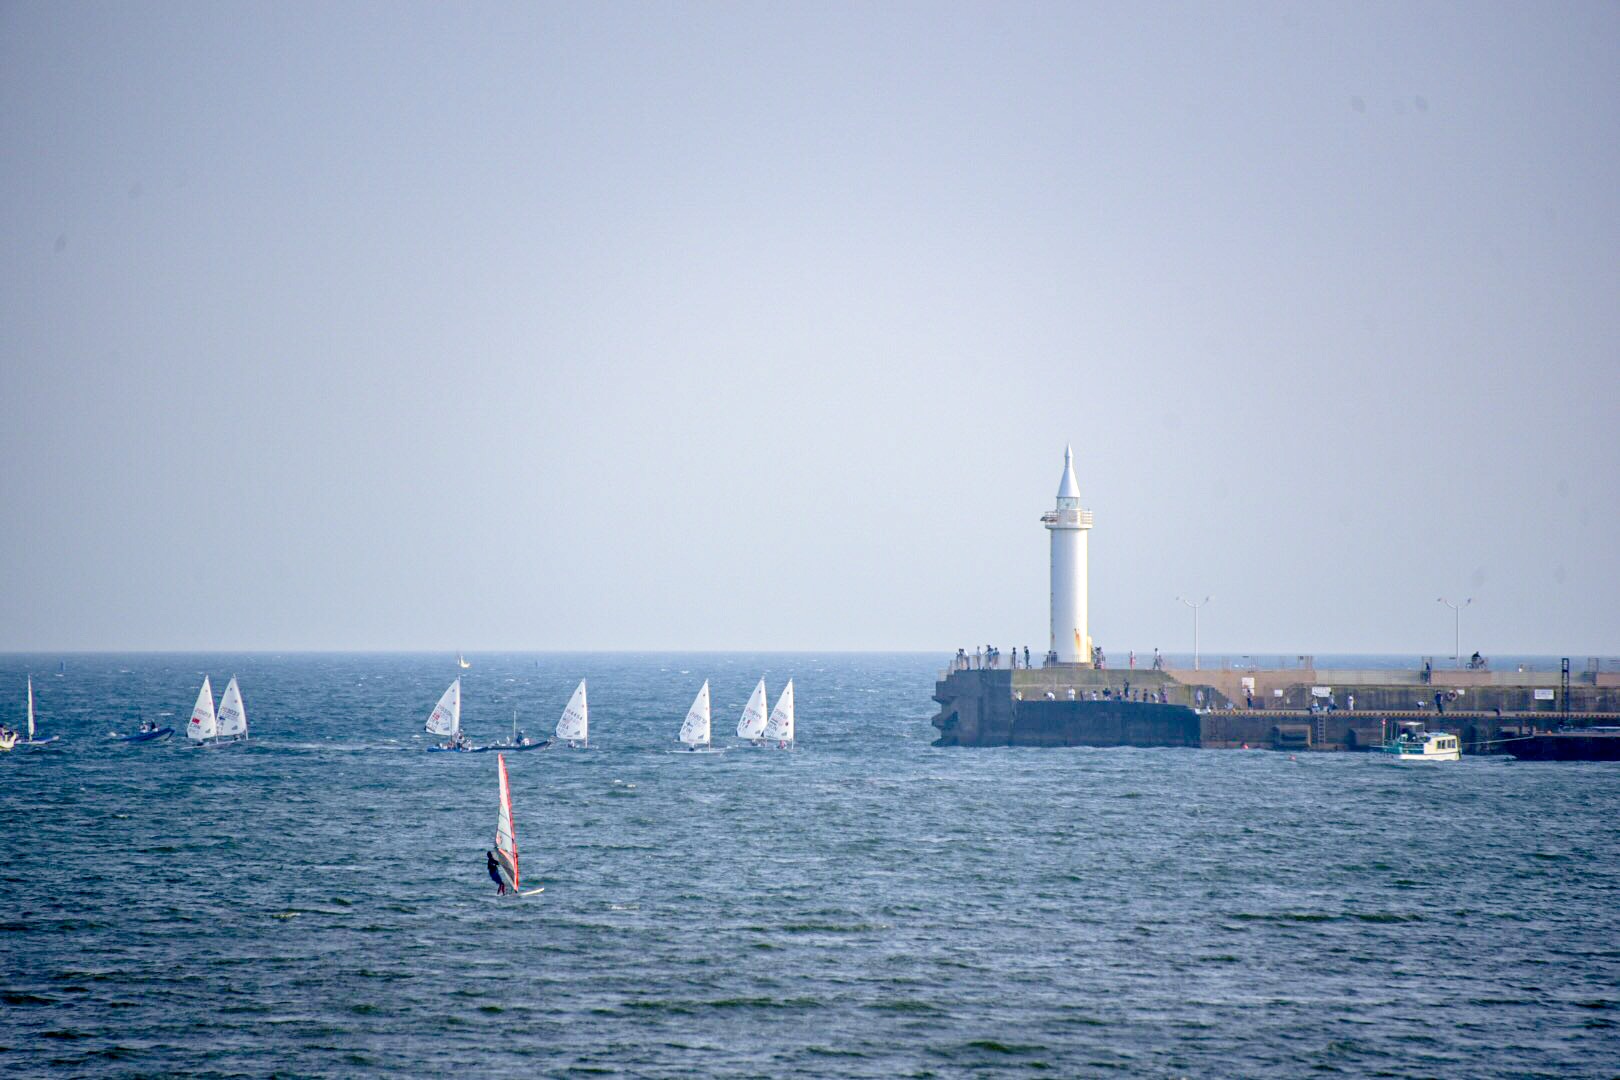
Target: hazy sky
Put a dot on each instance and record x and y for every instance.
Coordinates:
(612, 326)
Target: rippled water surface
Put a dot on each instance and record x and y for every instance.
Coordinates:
(314, 902)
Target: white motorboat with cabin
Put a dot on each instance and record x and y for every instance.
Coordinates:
(1412, 742)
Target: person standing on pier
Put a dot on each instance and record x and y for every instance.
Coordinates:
(1026, 657)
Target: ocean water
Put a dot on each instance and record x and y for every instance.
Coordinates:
(315, 903)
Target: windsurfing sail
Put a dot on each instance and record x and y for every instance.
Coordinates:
(752, 724)
(695, 729)
(203, 725)
(232, 716)
(462, 660)
(575, 723)
(506, 855)
(30, 709)
(781, 726)
(446, 716)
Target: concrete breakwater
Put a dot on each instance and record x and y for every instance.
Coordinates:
(1293, 709)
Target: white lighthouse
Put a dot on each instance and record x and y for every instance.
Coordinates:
(1069, 526)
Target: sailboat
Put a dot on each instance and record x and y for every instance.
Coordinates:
(446, 720)
(694, 735)
(232, 719)
(574, 727)
(31, 741)
(506, 849)
(780, 728)
(462, 660)
(752, 724)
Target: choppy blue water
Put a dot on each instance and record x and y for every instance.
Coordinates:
(315, 902)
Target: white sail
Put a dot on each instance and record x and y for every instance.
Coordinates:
(446, 716)
(780, 729)
(695, 729)
(506, 853)
(752, 724)
(203, 725)
(30, 709)
(232, 716)
(462, 660)
(575, 723)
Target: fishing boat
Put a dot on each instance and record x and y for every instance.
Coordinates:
(574, 727)
(445, 720)
(506, 849)
(780, 728)
(694, 733)
(754, 716)
(1414, 743)
(31, 740)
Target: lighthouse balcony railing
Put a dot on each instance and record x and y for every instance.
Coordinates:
(1081, 518)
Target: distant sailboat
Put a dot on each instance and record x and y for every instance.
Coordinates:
(506, 849)
(445, 720)
(574, 727)
(462, 660)
(204, 725)
(232, 718)
(780, 729)
(695, 728)
(752, 724)
(31, 741)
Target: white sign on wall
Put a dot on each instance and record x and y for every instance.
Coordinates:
(1248, 682)
(1321, 691)
(1544, 695)
(1276, 693)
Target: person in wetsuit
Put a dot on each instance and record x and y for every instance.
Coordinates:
(495, 873)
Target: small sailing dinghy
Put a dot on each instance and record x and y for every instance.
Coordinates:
(574, 727)
(462, 660)
(694, 735)
(229, 725)
(506, 849)
(752, 724)
(780, 729)
(31, 741)
(445, 720)
(232, 719)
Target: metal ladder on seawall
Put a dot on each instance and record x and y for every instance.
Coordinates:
(1319, 731)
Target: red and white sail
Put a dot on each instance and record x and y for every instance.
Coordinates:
(506, 853)
(203, 725)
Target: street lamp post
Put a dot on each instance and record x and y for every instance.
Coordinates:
(1456, 627)
(1195, 607)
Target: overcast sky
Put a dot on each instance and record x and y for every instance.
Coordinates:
(764, 326)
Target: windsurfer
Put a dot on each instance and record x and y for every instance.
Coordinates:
(495, 873)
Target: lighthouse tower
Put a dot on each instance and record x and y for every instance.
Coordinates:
(1069, 526)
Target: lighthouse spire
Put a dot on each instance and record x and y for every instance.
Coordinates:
(1070, 527)
(1069, 487)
